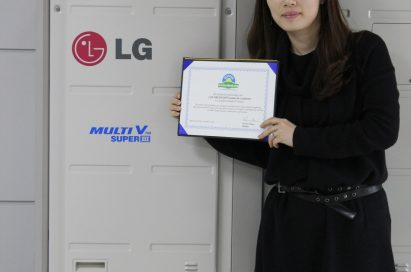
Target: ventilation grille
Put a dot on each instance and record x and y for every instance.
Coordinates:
(402, 267)
(190, 267)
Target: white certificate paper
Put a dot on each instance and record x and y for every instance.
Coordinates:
(226, 98)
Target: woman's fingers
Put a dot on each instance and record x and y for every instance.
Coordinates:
(270, 140)
(267, 132)
(175, 107)
(175, 110)
(175, 113)
(176, 101)
(276, 141)
(278, 131)
(270, 122)
(264, 134)
(273, 140)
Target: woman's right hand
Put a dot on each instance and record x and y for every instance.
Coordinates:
(175, 107)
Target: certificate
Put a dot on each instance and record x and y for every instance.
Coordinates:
(226, 98)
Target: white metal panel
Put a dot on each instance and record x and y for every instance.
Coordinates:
(225, 215)
(23, 134)
(397, 191)
(245, 13)
(402, 263)
(399, 51)
(18, 24)
(134, 206)
(396, 35)
(399, 156)
(391, 20)
(19, 121)
(363, 14)
(23, 152)
(17, 236)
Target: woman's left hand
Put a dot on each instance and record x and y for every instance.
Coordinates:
(279, 131)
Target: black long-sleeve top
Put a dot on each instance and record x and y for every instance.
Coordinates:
(338, 141)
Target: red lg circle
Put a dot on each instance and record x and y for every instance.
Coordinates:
(89, 48)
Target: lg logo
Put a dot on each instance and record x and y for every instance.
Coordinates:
(141, 50)
(90, 48)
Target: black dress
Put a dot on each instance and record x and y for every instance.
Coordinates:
(339, 141)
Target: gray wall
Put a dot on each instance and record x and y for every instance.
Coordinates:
(23, 135)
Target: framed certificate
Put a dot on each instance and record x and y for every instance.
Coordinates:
(226, 98)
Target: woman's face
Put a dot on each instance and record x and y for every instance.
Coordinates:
(295, 15)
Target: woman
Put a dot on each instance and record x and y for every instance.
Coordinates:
(337, 112)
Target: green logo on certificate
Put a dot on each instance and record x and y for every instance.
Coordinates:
(228, 82)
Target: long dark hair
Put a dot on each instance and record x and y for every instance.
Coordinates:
(266, 39)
